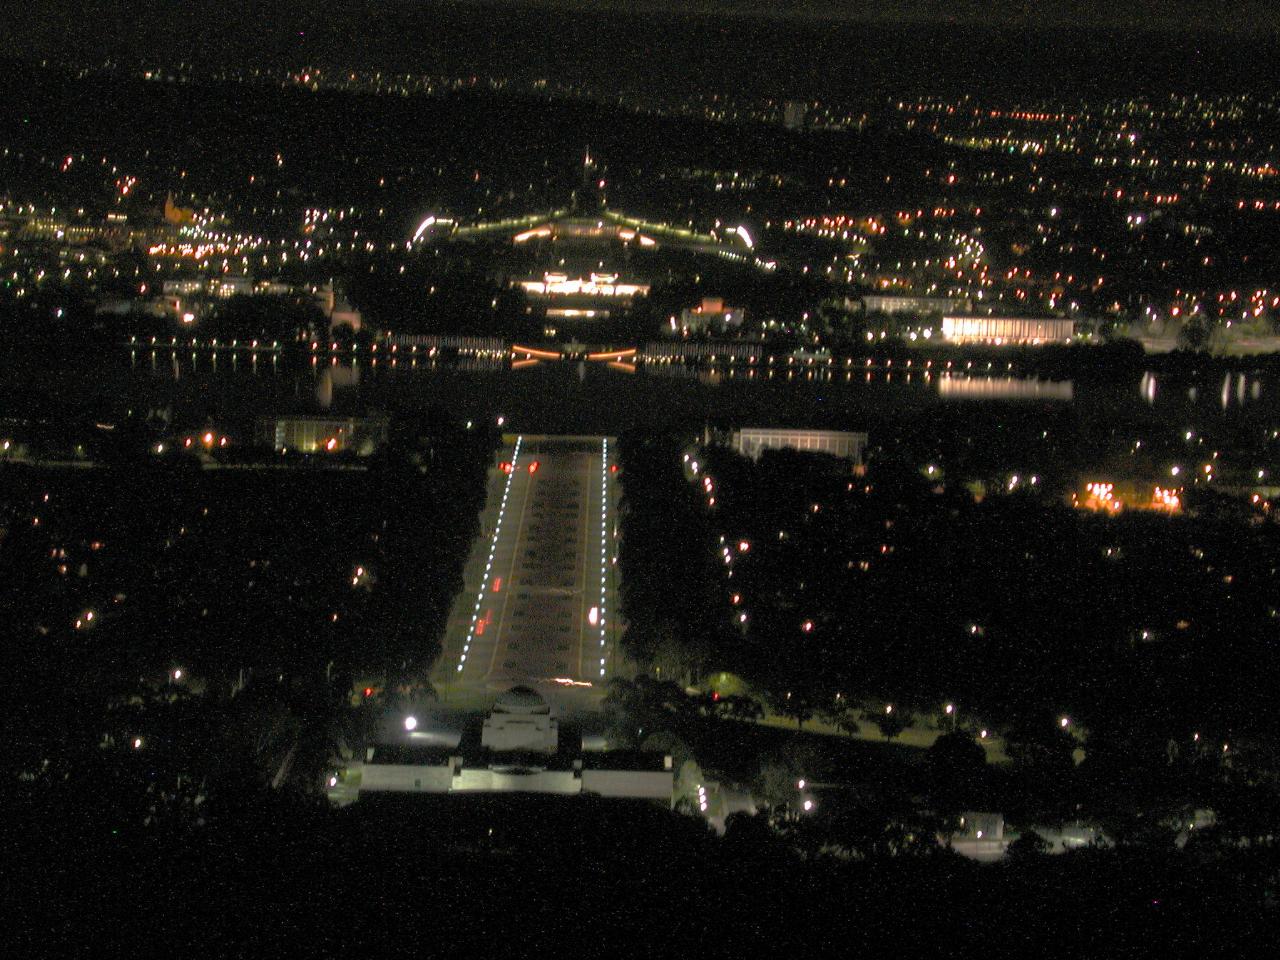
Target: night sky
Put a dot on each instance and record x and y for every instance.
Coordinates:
(85, 18)
(1225, 15)
(776, 47)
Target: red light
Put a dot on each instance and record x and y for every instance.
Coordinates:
(506, 467)
(614, 468)
(368, 691)
(715, 695)
(533, 467)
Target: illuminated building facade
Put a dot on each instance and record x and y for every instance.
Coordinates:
(361, 435)
(892, 304)
(753, 441)
(520, 750)
(711, 314)
(1000, 331)
(603, 285)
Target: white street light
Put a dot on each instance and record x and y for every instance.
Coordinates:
(411, 723)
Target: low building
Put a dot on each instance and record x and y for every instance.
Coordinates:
(636, 774)
(231, 286)
(710, 315)
(891, 304)
(186, 287)
(345, 315)
(272, 288)
(753, 441)
(1001, 331)
(312, 434)
(794, 113)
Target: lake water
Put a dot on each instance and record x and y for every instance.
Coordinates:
(598, 398)
(602, 399)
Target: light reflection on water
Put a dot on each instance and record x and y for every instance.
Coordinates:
(1237, 389)
(341, 373)
(573, 397)
(961, 387)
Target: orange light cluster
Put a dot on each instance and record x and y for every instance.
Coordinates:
(1163, 498)
(208, 438)
(1102, 497)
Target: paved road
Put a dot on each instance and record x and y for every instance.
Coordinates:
(539, 601)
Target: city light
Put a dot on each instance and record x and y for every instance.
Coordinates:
(991, 263)
(1102, 497)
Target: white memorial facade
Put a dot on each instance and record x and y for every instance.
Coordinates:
(519, 750)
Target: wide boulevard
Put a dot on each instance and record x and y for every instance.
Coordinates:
(539, 603)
